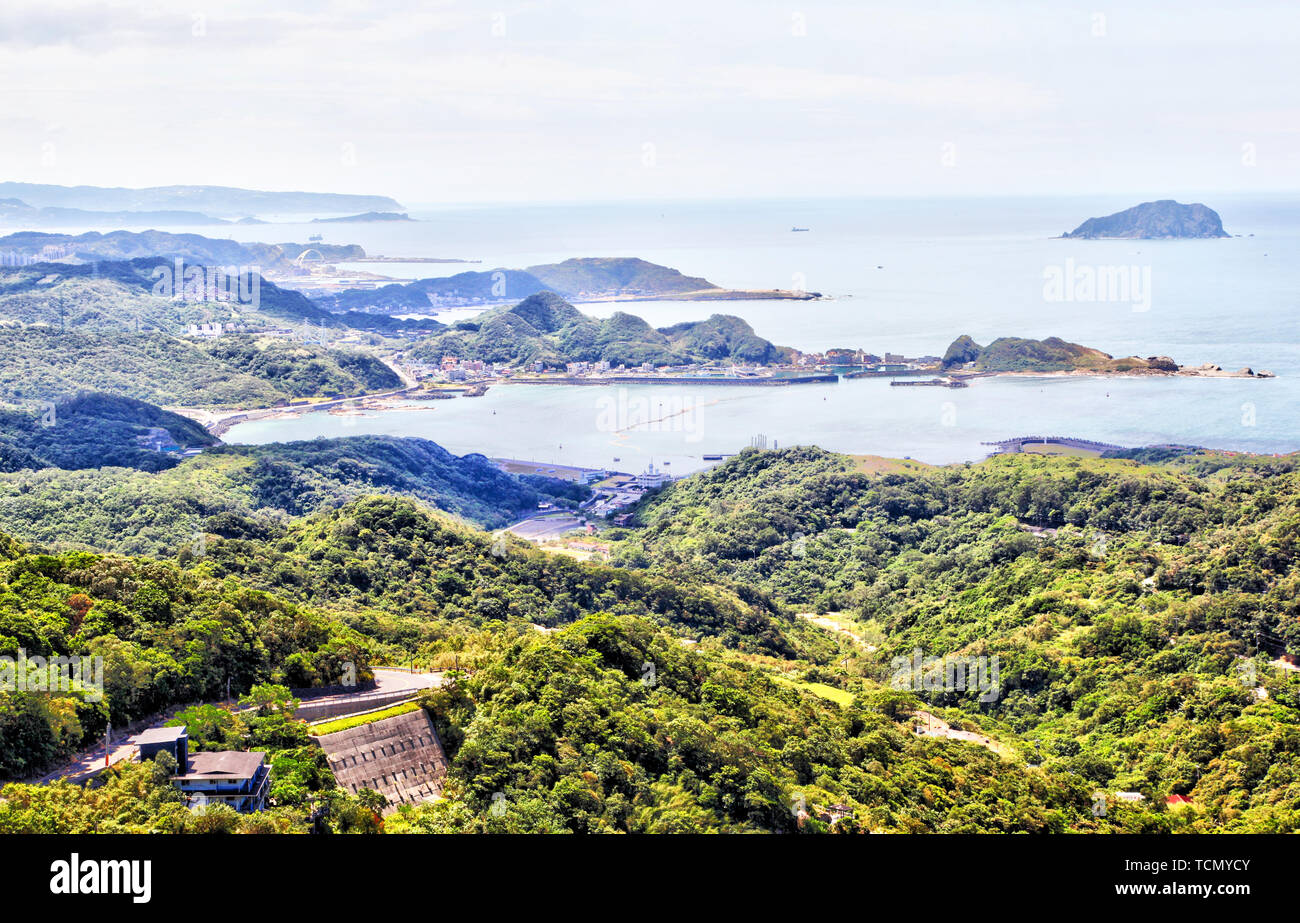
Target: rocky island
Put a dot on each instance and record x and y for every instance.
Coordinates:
(1054, 356)
(1162, 220)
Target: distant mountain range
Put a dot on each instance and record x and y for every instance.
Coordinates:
(207, 202)
(1154, 221)
(17, 212)
(578, 279)
(33, 246)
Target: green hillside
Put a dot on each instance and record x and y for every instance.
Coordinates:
(248, 490)
(547, 329)
(1017, 354)
(1135, 635)
(93, 431)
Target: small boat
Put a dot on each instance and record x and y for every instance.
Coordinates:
(793, 230)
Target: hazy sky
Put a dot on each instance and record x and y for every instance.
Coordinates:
(443, 101)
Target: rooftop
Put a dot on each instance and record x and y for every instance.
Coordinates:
(223, 764)
(161, 735)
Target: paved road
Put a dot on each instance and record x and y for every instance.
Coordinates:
(936, 727)
(542, 528)
(386, 680)
(92, 761)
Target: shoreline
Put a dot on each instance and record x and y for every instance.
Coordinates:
(1182, 372)
(220, 422)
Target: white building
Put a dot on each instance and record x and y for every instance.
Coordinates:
(650, 478)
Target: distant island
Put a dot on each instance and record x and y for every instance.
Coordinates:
(1162, 220)
(1011, 355)
(364, 218)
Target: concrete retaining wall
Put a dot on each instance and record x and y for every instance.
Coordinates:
(401, 757)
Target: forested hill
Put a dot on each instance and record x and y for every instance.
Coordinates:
(239, 490)
(194, 249)
(92, 431)
(547, 329)
(146, 294)
(1018, 354)
(149, 294)
(1136, 610)
(390, 554)
(40, 364)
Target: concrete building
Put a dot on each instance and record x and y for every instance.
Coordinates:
(650, 478)
(231, 777)
(175, 741)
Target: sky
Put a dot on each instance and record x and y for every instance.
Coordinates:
(439, 102)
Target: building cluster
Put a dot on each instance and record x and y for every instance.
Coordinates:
(158, 439)
(48, 253)
(216, 329)
(451, 368)
(858, 358)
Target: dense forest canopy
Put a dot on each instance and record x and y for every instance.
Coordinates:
(547, 329)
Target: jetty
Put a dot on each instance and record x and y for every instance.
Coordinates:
(930, 383)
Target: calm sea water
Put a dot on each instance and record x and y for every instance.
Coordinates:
(903, 275)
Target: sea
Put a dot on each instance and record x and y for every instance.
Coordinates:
(899, 275)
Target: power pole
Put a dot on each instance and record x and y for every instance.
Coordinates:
(108, 740)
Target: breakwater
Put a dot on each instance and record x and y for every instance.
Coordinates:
(765, 381)
(930, 383)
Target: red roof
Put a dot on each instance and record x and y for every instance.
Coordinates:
(1177, 799)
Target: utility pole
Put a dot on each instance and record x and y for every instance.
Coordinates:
(108, 740)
